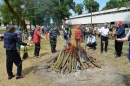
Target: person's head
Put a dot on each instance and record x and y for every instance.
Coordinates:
(78, 27)
(66, 26)
(119, 23)
(38, 27)
(7, 28)
(18, 35)
(105, 25)
(56, 27)
(19, 28)
(90, 34)
(11, 29)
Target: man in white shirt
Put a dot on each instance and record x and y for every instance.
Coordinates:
(91, 41)
(104, 31)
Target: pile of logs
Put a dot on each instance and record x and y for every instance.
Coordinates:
(72, 59)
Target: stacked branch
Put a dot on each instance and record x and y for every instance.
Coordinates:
(72, 59)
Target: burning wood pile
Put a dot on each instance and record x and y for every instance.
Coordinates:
(72, 59)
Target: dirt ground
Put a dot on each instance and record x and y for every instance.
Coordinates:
(114, 71)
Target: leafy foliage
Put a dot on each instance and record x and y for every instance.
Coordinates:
(116, 4)
(91, 5)
(79, 8)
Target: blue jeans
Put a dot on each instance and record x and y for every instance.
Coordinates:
(66, 41)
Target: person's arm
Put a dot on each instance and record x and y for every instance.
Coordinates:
(58, 33)
(100, 31)
(123, 39)
(88, 40)
(127, 34)
(61, 37)
(19, 41)
(40, 34)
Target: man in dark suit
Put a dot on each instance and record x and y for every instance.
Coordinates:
(119, 34)
(12, 56)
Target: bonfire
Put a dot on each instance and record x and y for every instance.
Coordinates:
(72, 59)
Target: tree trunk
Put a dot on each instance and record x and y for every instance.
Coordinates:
(22, 21)
(34, 23)
(24, 25)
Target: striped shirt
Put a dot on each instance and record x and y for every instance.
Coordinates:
(53, 33)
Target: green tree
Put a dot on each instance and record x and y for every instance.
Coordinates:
(79, 9)
(116, 4)
(91, 5)
(60, 10)
(5, 14)
(22, 6)
(111, 4)
(125, 3)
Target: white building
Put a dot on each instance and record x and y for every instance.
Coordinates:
(99, 18)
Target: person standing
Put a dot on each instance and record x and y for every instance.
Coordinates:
(78, 35)
(87, 32)
(19, 33)
(53, 38)
(37, 39)
(67, 34)
(119, 34)
(12, 56)
(104, 31)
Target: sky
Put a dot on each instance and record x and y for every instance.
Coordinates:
(102, 3)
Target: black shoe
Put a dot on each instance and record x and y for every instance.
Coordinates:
(10, 77)
(94, 48)
(105, 50)
(101, 52)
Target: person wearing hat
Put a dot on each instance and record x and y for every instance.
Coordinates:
(119, 34)
(104, 31)
(12, 56)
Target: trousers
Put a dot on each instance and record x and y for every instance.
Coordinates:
(37, 49)
(118, 47)
(12, 56)
(53, 44)
(105, 39)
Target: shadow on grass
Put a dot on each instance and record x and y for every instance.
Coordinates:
(27, 70)
(126, 80)
(45, 53)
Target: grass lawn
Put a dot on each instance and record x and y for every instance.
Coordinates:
(45, 46)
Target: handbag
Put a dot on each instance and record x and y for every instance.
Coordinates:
(25, 55)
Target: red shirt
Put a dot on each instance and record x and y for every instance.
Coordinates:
(37, 35)
(78, 33)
